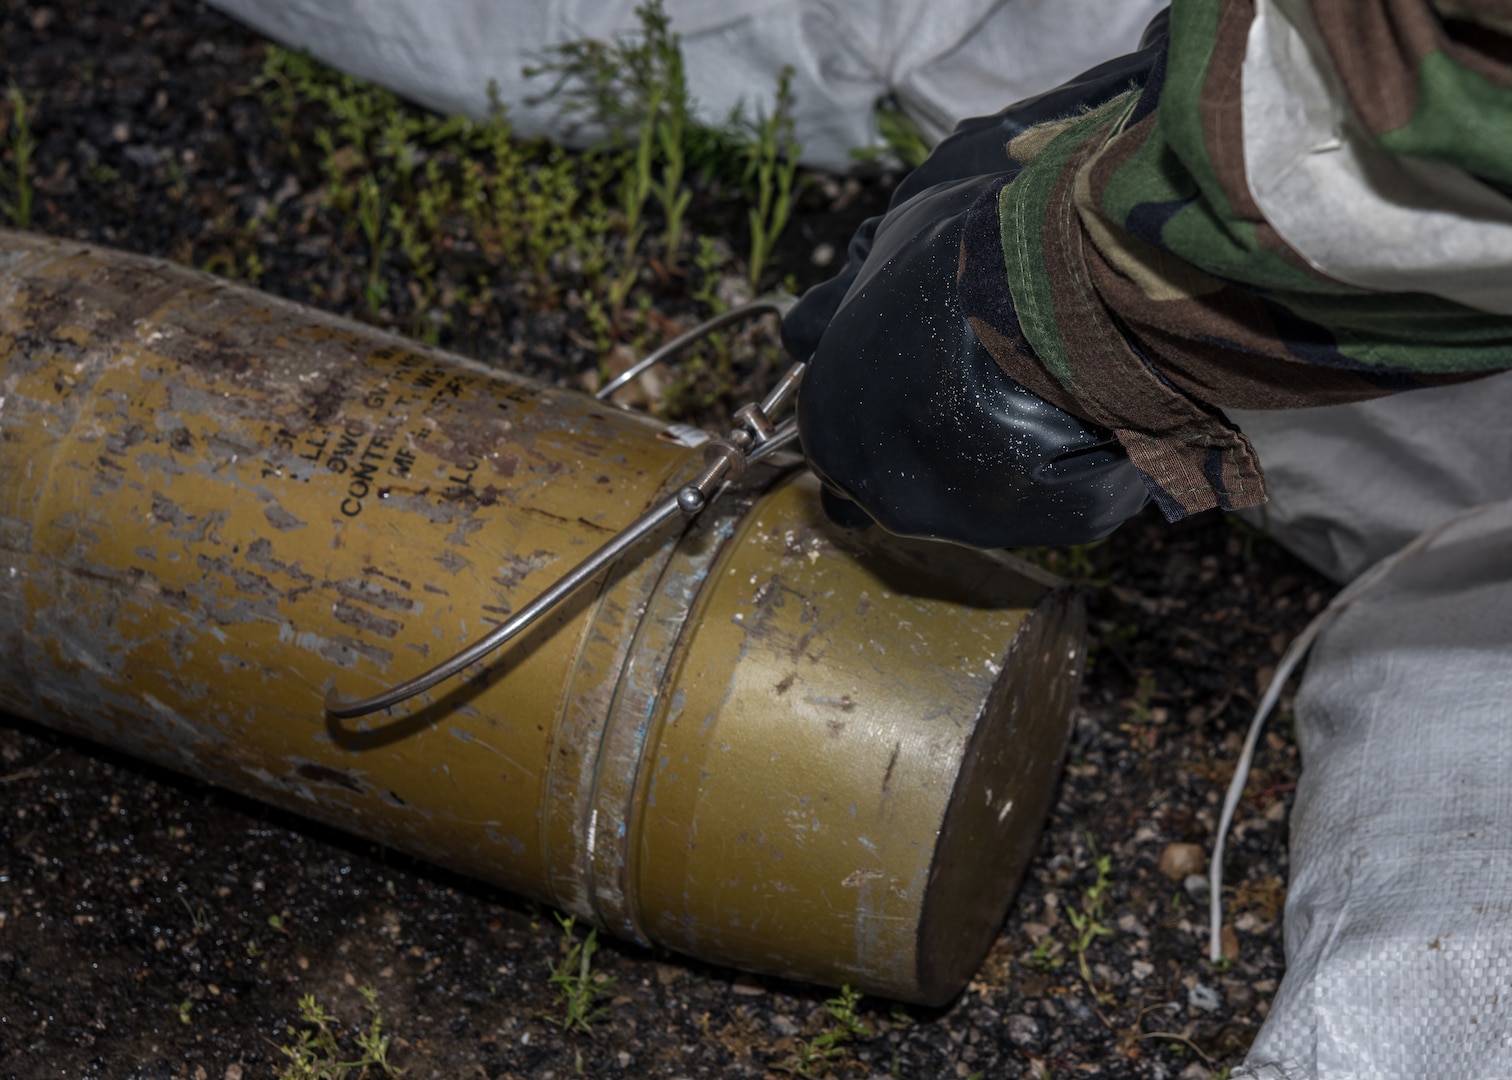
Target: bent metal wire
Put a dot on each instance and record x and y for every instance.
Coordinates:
(753, 438)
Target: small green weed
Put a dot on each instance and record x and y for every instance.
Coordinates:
(615, 87)
(578, 986)
(1143, 725)
(1078, 563)
(443, 227)
(97, 172)
(772, 162)
(900, 136)
(1086, 918)
(21, 148)
(1045, 956)
(816, 1055)
(197, 918)
(638, 84)
(318, 1053)
(635, 84)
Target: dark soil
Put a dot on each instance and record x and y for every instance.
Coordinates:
(153, 927)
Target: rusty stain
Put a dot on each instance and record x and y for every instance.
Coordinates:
(844, 702)
(515, 568)
(345, 612)
(324, 774)
(324, 404)
(373, 571)
(260, 554)
(361, 591)
(787, 682)
(244, 581)
(281, 519)
(892, 763)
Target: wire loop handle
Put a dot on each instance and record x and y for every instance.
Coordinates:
(753, 438)
(779, 302)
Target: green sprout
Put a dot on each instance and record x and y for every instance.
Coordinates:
(814, 1056)
(317, 1052)
(16, 181)
(578, 986)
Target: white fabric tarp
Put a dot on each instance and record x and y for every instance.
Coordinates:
(943, 60)
(1398, 919)
(1350, 484)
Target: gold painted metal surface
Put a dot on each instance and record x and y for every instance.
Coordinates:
(757, 741)
(808, 764)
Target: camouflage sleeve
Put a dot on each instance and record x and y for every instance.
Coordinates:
(1306, 204)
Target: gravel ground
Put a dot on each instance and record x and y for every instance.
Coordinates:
(153, 927)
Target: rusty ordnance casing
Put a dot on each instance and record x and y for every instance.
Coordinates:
(758, 740)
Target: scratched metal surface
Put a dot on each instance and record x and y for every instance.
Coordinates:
(760, 741)
(216, 503)
(801, 812)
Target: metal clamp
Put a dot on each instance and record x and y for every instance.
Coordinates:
(753, 438)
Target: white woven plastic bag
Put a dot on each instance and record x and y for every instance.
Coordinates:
(943, 60)
(1399, 912)
(1398, 918)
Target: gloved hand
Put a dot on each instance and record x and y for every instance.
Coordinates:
(903, 411)
(903, 414)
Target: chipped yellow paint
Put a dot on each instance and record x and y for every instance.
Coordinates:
(757, 740)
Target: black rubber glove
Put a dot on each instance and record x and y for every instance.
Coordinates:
(975, 148)
(904, 412)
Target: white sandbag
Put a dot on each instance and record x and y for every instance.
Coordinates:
(1349, 484)
(1398, 924)
(1399, 911)
(944, 60)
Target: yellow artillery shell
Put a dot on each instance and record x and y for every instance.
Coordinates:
(757, 740)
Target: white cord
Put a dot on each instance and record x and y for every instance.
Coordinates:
(1298, 648)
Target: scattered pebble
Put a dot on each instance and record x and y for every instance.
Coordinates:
(1228, 943)
(1204, 997)
(1022, 1030)
(746, 986)
(1180, 861)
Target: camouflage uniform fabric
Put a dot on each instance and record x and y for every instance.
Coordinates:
(1305, 205)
